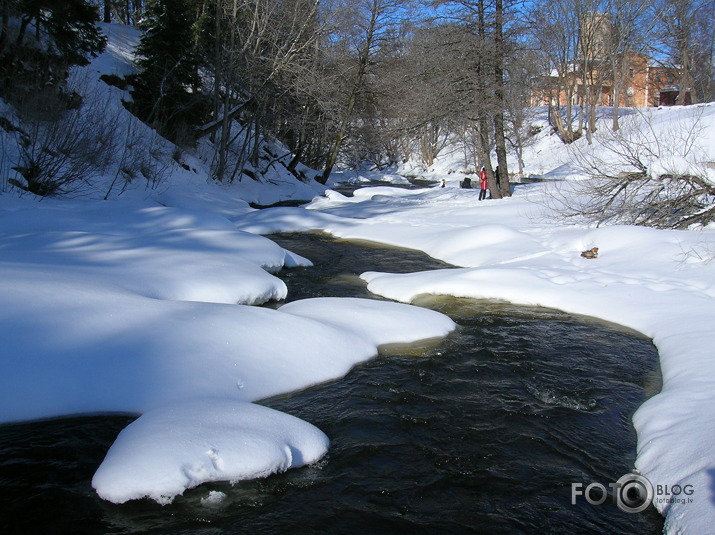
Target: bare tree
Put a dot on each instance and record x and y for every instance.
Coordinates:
(420, 93)
(251, 51)
(485, 108)
(642, 176)
(554, 28)
(593, 42)
(704, 52)
(677, 25)
(475, 69)
(523, 69)
(359, 33)
(500, 101)
(627, 39)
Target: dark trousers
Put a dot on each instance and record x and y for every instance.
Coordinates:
(482, 194)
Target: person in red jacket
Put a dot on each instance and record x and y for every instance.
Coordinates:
(483, 185)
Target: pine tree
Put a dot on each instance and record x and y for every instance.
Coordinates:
(72, 26)
(166, 92)
(40, 40)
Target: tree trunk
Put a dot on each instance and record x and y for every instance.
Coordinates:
(484, 75)
(107, 16)
(591, 120)
(569, 115)
(218, 66)
(616, 95)
(499, 138)
(23, 29)
(4, 31)
(363, 60)
(618, 66)
(484, 154)
(334, 151)
(520, 156)
(223, 140)
(686, 80)
(256, 147)
(297, 155)
(585, 101)
(564, 132)
(502, 166)
(118, 15)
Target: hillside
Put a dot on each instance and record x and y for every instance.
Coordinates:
(101, 151)
(679, 138)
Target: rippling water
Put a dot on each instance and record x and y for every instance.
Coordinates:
(482, 432)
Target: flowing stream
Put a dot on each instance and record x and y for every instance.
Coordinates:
(481, 432)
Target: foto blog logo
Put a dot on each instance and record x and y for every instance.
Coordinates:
(632, 493)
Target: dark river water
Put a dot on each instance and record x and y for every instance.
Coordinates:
(482, 432)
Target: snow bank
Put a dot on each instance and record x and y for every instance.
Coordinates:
(381, 322)
(170, 449)
(158, 252)
(675, 440)
(659, 282)
(114, 307)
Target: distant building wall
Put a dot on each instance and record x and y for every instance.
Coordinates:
(642, 83)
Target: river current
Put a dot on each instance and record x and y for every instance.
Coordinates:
(484, 431)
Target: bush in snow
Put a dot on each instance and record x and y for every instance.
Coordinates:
(59, 155)
(98, 146)
(650, 172)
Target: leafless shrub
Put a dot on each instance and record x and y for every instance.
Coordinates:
(74, 151)
(62, 149)
(699, 253)
(142, 155)
(644, 174)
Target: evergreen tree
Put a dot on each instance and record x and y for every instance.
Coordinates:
(72, 26)
(41, 39)
(166, 92)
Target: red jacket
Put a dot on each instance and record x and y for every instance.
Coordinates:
(483, 178)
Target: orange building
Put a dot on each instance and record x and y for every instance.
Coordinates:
(642, 82)
(590, 77)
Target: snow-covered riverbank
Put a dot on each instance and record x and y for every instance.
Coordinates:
(112, 308)
(141, 303)
(661, 283)
(115, 306)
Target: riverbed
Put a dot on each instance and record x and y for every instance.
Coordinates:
(482, 432)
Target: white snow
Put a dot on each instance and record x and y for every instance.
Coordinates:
(383, 323)
(140, 304)
(124, 308)
(659, 282)
(170, 449)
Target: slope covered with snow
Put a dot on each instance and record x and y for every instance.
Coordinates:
(133, 295)
(129, 159)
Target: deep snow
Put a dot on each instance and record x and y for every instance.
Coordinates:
(661, 283)
(142, 309)
(141, 304)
